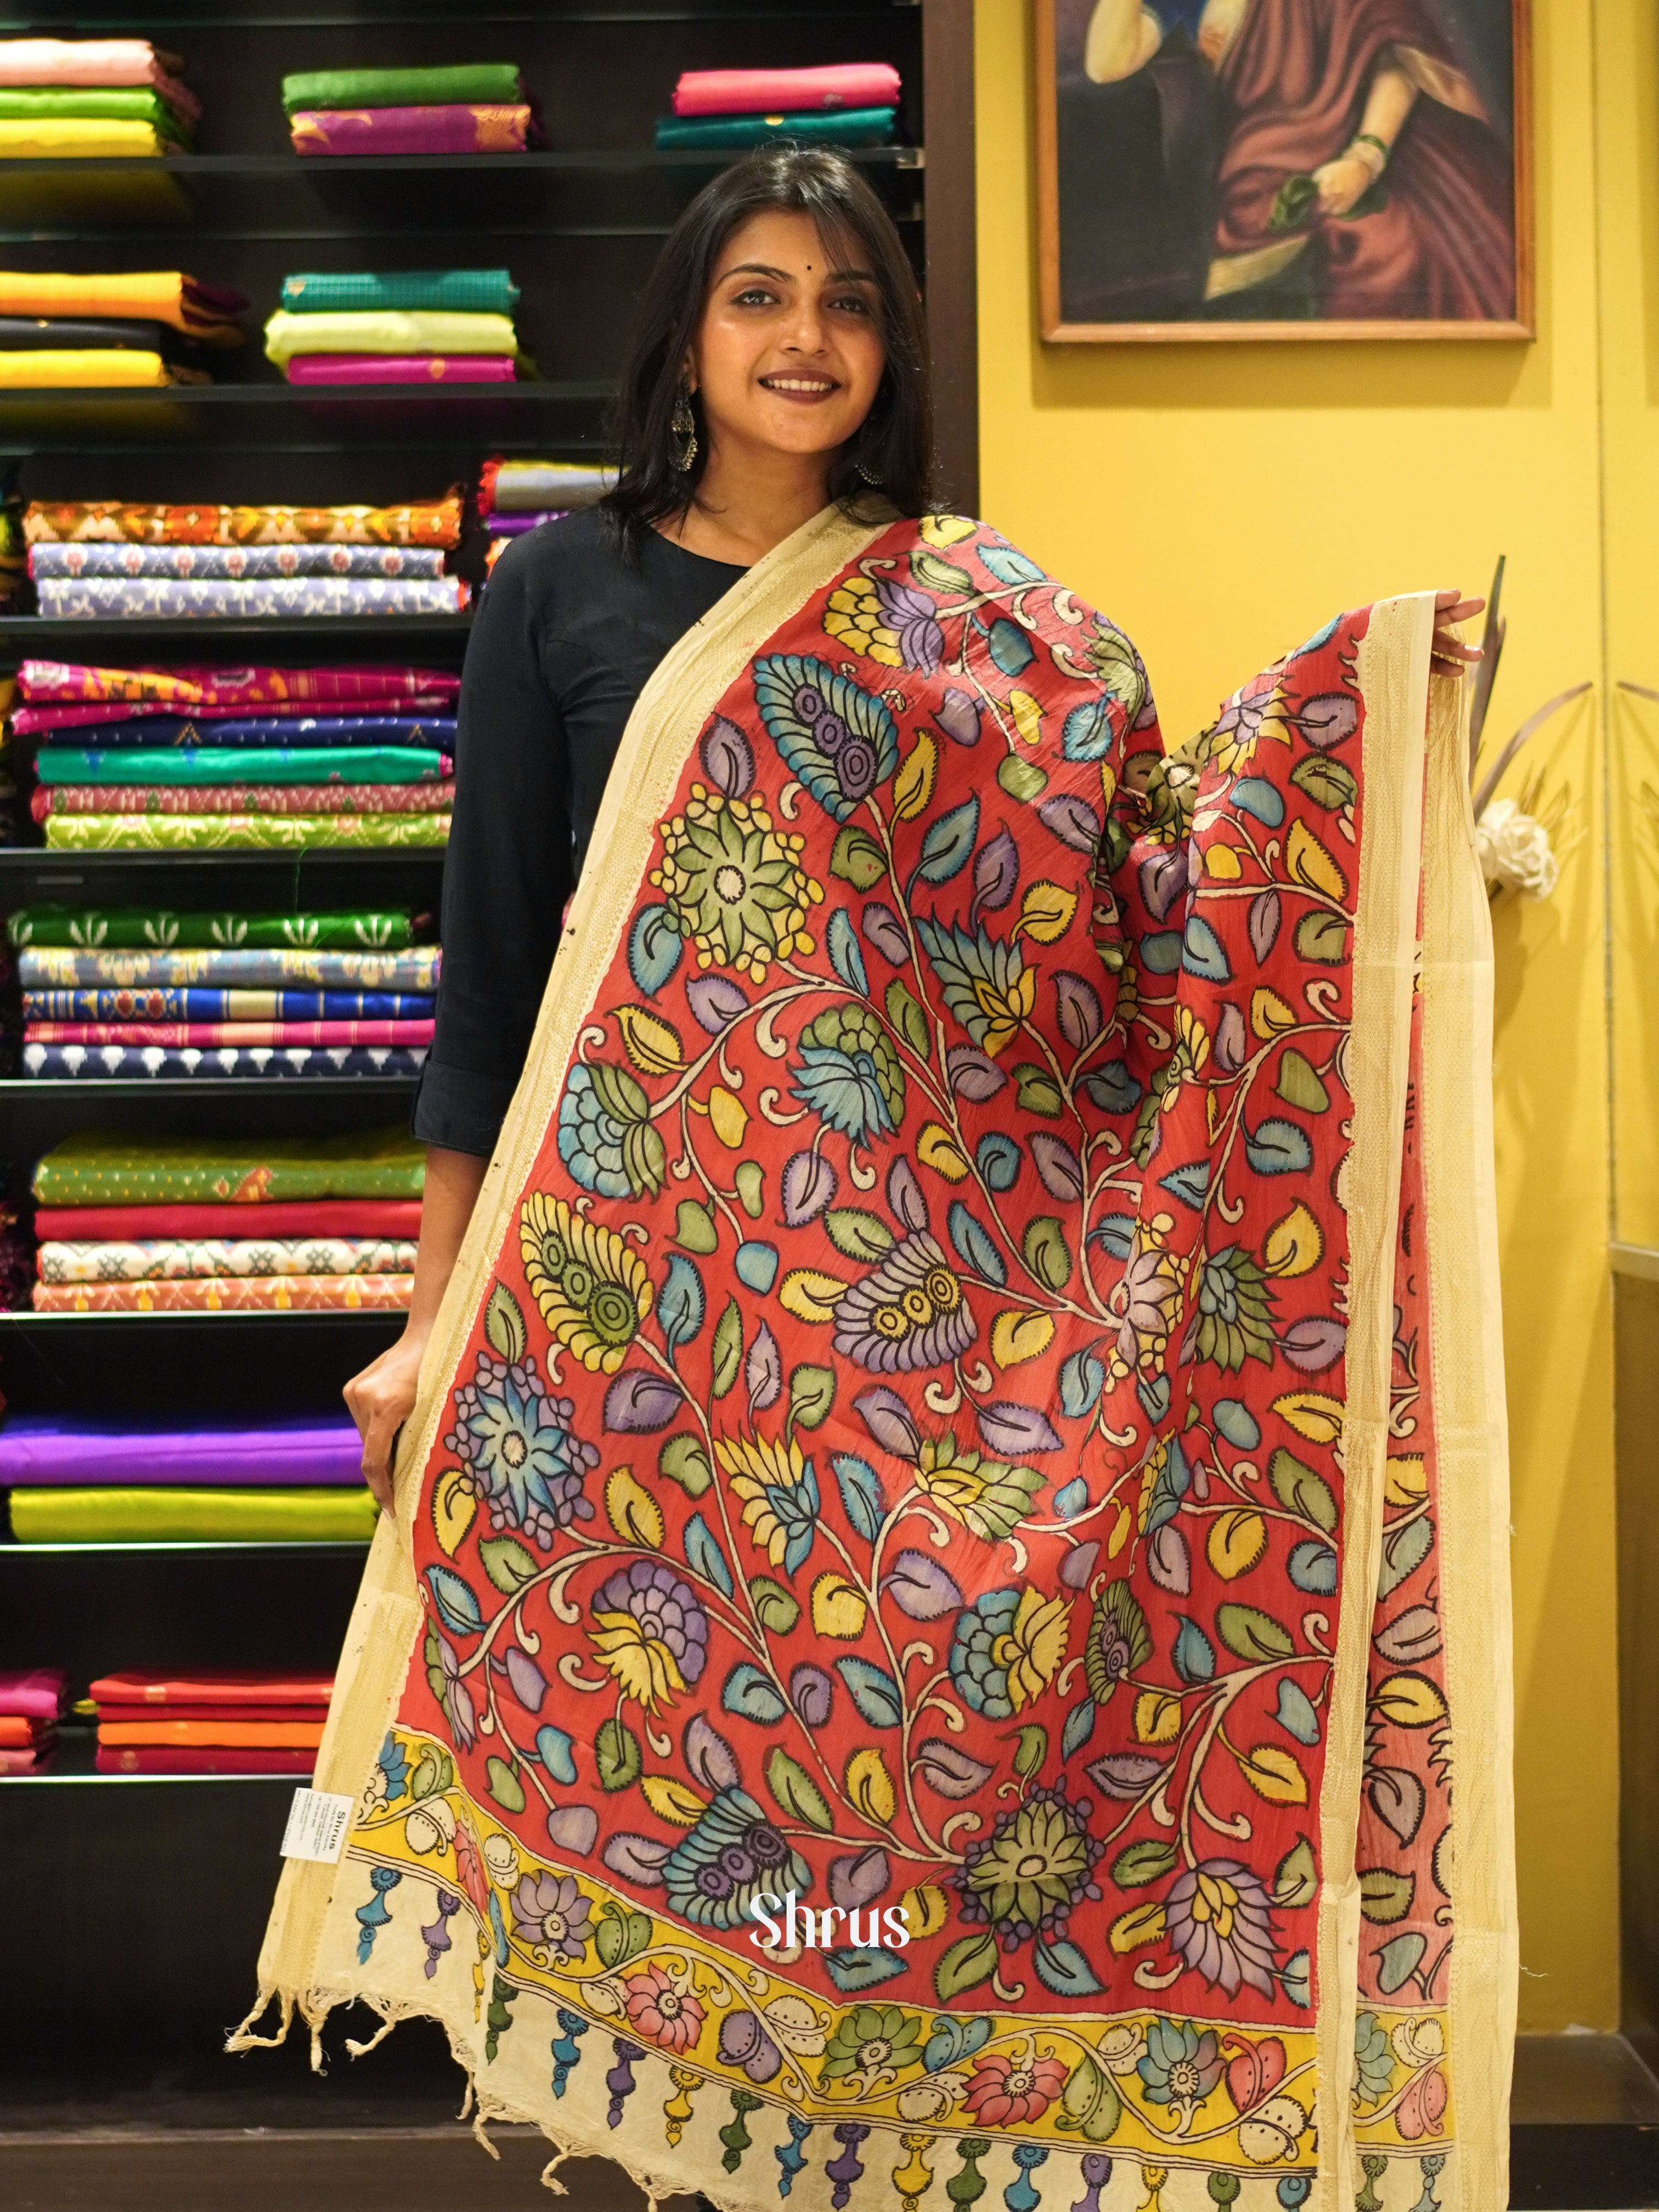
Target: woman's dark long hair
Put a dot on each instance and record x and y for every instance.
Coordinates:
(895, 446)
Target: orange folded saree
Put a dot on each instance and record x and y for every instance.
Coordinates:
(205, 312)
(245, 1735)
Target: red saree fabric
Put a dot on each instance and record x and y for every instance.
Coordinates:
(328, 1217)
(240, 1691)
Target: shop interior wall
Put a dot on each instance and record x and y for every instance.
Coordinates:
(1220, 501)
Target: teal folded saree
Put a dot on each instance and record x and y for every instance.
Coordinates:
(218, 764)
(191, 1516)
(846, 126)
(452, 291)
(484, 84)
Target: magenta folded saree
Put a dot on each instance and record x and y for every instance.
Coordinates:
(953, 1535)
(41, 1449)
(57, 683)
(401, 369)
(768, 91)
(206, 1035)
(455, 128)
(35, 1693)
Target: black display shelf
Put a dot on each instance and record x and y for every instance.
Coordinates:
(571, 160)
(260, 881)
(219, 1367)
(62, 631)
(34, 1112)
(71, 1761)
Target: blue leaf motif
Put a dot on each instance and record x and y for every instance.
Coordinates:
(753, 1696)
(861, 1497)
(834, 737)
(873, 1691)
(845, 957)
(1114, 1233)
(1079, 1726)
(1071, 1500)
(1160, 951)
(1236, 1424)
(1189, 1184)
(852, 1971)
(556, 1753)
(1062, 1968)
(1278, 1147)
(1086, 732)
(457, 1609)
(1011, 649)
(1312, 1567)
(1295, 1713)
(654, 946)
(1258, 797)
(706, 1556)
(681, 1305)
(1195, 1654)
(1080, 1381)
(1201, 953)
(999, 1159)
(948, 842)
(953, 2040)
(1009, 567)
(974, 1246)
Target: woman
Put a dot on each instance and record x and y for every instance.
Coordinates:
(877, 1672)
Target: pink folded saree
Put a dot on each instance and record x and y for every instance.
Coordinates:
(36, 1694)
(100, 62)
(402, 368)
(783, 91)
(455, 128)
(60, 682)
(212, 1036)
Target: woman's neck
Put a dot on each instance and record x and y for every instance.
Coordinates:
(747, 504)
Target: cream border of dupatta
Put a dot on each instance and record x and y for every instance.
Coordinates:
(387, 1619)
(1420, 884)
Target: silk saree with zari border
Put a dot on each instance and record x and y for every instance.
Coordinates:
(953, 1535)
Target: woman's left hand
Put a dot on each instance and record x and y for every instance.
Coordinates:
(1450, 655)
(1342, 184)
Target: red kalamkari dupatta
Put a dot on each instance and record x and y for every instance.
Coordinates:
(955, 1513)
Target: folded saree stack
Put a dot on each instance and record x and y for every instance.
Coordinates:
(416, 326)
(852, 104)
(515, 496)
(200, 1224)
(190, 759)
(92, 99)
(473, 108)
(31, 1705)
(132, 329)
(239, 1723)
(101, 558)
(241, 1010)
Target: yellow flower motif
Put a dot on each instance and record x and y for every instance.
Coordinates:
(942, 530)
(1193, 1035)
(853, 618)
(1033, 1648)
(1004, 1011)
(984, 1495)
(592, 1290)
(779, 1494)
(642, 1664)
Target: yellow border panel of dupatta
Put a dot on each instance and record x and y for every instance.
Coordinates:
(386, 1621)
(1393, 673)
(1472, 1450)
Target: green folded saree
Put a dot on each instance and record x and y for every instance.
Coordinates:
(417, 330)
(193, 1516)
(845, 126)
(206, 765)
(53, 103)
(454, 291)
(240, 833)
(142, 929)
(102, 1167)
(481, 83)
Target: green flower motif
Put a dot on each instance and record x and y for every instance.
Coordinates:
(850, 1075)
(987, 1496)
(1373, 2060)
(735, 884)
(1234, 1313)
(872, 2045)
(1034, 1868)
(987, 987)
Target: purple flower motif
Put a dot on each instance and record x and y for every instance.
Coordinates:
(914, 619)
(746, 2043)
(549, 1912)
(1218, 1916)
(458, 1710)
(522, 1455)
(910, 1313)
(652, 1631)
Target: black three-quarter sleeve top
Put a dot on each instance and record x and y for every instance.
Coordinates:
(567, 635)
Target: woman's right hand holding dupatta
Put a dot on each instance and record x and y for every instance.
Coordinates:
(381, 1398)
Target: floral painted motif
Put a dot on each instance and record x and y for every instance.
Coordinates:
(897, 1464)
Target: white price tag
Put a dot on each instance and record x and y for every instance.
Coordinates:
(316, 1828)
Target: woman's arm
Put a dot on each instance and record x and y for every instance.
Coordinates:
(380, 1398)
(1346, 181)
(1122, 37)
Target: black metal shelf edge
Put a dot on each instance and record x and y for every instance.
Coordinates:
(135, 397)
(71, 1760)
(14, 1089)
(245, 1548)
(620, 159)
(25, 1323)
(22, 629)
(18, 859)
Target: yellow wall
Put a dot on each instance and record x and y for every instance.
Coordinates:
(1220, 502)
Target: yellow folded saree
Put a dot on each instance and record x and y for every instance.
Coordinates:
(88, 137)
(416, 330)
(98, 367)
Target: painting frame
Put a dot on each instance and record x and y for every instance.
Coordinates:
(1056, 330)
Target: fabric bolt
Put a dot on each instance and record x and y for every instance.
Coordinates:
(234, 563)
(92, 598)
(183, 1003)
(92, 1167)
(161, 1261)
(371, 1217)
(519, 487)
(209, 764)
(405, 331)
(435, 732)
(250, 1692)
(205, 312)
(447, 85)
(100, 369)
(200, 1759)
(84, 333)
(227, 833)
(41, 1449)
(456, 291)
(402, 368)
(36, 1692)
(242, 799)
(36, 62)
(98, 1063)
(232, 1294)
(244, 1735)
(109, 929)
(1042, 1500)
(50, 103)
(784, 91)
(135, 714)
(847, 126)
(191, 1516)
(274, 967)
(68, 137)
(54, 681)
(24, 1732)
(205, 1036)
(125, 1712)
(429, 522)
(472, 127)
(518, 525)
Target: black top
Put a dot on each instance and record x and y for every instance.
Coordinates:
(567, 634)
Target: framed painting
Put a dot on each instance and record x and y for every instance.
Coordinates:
(1301, 169)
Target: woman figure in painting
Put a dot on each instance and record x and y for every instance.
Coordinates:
(893, 1442)
(1355, 151)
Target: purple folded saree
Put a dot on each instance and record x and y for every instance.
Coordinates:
(39, 1450)
(455, 128)
(515, 526)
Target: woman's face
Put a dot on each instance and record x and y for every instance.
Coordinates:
(789, 354)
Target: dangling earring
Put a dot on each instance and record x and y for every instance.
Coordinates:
(871, 476)
(683, 426)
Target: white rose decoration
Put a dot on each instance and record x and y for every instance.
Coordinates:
(1514, 850)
